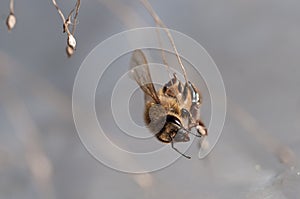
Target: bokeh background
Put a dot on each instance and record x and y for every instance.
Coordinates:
(256, 46)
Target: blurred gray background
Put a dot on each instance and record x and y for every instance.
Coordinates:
(254, 43)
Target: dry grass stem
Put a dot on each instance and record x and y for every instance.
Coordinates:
(160, 23)
(67, 21)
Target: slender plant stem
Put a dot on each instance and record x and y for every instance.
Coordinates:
(11, 6)
(160, 23)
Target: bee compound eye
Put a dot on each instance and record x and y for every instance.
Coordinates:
(174, 120)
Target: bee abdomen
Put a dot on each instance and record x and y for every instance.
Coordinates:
(155, 117)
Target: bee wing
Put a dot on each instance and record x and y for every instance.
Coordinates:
(141, 74)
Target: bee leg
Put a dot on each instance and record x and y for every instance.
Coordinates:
(192, 124)
(200, 127)
(196, 135)
(175, 76)
(173, 147)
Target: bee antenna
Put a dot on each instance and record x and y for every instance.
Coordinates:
(173, 147)
(196, 135)
(190, 132)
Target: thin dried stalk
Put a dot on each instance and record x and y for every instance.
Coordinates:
(75, 20)
(66, 21)
(11, 6)
(160, 23)
(69, 18)
(71, 42)
(163, 55)
(131, 19)
(59, 11)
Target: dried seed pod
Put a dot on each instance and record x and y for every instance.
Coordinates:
(71, 41)
(69, 50)
(11, 21)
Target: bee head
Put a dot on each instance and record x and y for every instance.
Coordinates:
(180, 134)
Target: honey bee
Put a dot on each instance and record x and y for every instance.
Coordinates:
(172, 111)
